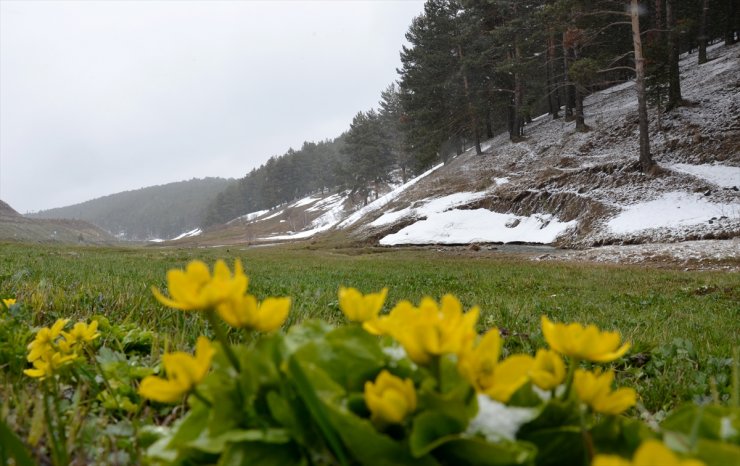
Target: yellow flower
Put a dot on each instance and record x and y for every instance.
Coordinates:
(595, 389)
(195, 288)
(499, 380)
(183, 373)
(650, 453)
(82, 333)
(244, 311)
(548, 370)
(8, 302)
(44, 340)
(358, 307)
(587, 343)
(47, 363)
(429, 330)
(390, 399)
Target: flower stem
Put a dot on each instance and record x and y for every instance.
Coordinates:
(221, 337)
(569, 378)
(202, 398)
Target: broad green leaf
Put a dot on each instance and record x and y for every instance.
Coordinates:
(306, 332)
(619, 435)
(11, 447)
(716, 453)
(559, 446)
(261, 454)
(349, 355)
(708, 422)
(431, 429)
(478, 452)
(190, 427)
(312, 393)
(216, 444)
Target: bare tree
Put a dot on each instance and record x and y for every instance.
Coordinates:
(646, 160)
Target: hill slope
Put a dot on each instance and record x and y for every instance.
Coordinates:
(163, 211)
(557, 186)
(15, 227)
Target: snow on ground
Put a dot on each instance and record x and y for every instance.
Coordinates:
(188, 234)
(721, 175)
(334, 206)
(248, 217)
(384, 200)
(670, 210)
(478, 226)
(428, 207)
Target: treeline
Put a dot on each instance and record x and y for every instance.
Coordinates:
(163, 211)
(474, 68)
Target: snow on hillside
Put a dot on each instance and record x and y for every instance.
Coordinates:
(558, 186)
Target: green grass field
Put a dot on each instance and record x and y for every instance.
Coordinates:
(685, 323)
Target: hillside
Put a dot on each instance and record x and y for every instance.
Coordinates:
(163, 211)
(557, 186)
(15, 227)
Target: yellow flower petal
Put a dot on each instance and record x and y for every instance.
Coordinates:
(584, 343)
(390, 399)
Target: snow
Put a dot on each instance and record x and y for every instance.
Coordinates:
(156, 240)
(384, 200)
(273, 215)
(496, 421)
(334, 208)
(670, 210)
(479, 226)
(188, 234)
(428, 207)
(500, 181)
(304, 201)
(721, 175)
(250, 216)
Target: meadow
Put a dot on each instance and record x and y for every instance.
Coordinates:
(683, 326)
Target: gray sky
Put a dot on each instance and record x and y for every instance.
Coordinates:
(98, 97)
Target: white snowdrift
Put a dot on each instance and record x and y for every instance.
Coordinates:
(670, 210)
(479, 225)
(721, 175)
(188, 234)
(428, 207)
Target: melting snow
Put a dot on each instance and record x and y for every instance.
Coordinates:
(670, 210)
(384, 200)
(722, 175)
(479, 225)
(496, 421)
(188, 234)
(429, 207)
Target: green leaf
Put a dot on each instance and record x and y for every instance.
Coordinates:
(310, 396)
(306, 332)
(261, 454)
(349, 355)
(715, 453)
(707, 422)
(216, 444)
(431, 429)
(618, 435)
(190, 427)
(560, 445)
(11, 447)
(478, 452)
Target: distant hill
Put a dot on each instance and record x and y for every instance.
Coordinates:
(163, 211)
(15, 227)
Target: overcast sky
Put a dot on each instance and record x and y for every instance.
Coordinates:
(98, 97)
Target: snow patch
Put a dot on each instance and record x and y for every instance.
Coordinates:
(480, 225)
(670, 210)
(721, 175)
(188, 234)
(428, 207)
(496, 421)
(384, 200)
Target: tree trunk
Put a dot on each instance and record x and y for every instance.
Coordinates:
(674, 77)
(518, 94)
(580, 119)
(469, 103)
(731, 23)
(568, 91)
(489, 124)
(553, 99)
(658, 18)
(703, 33)
(646, 160)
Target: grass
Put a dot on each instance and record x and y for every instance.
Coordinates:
(660, 311)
